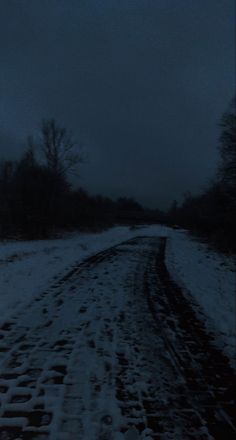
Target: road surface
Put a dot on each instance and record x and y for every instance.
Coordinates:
(113, 351)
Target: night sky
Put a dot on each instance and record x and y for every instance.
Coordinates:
(140, 83)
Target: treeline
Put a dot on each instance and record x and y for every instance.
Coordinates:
(36, 198)
(36, 201)
(212, 213)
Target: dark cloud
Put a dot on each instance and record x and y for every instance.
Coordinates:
(142, 83)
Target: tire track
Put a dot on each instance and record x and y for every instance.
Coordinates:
(111, 347)
(209, 381)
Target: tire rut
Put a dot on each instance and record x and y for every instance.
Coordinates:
(155, 362)
(209, 382)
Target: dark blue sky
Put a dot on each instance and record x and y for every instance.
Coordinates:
(142, 84)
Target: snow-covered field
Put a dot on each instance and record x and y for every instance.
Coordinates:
(30, 267)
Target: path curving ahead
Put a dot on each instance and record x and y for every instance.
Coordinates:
(114, 351)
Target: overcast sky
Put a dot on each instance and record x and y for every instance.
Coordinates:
(140, 83)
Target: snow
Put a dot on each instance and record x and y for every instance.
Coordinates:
(73, 348)
(28, 268)
(210, 279)
(90, 330)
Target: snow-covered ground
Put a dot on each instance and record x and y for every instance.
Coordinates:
(210, 278)
(28, 268)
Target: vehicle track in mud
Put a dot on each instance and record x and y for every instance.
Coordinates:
(113, 345)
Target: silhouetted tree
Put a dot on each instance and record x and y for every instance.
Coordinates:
(59, 149)
(212, 213)
(128, 204)
(7, 221)
(60, 157)
(36, 198)
(30, 203)
(172, 213)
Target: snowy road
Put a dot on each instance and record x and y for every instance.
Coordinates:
(114, 351)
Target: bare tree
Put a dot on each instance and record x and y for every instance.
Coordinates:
(59, 149)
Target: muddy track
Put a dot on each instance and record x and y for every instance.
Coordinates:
(209, 382)
(113, 339)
